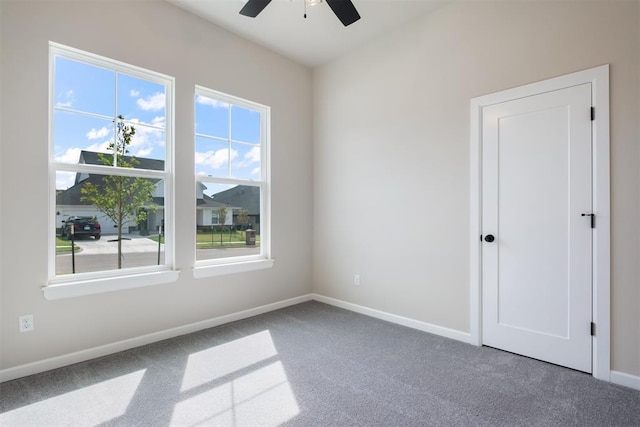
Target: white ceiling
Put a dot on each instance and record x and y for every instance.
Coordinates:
(315, 40)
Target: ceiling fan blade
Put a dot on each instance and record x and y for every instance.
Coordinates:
(254, 7)
(344, 10)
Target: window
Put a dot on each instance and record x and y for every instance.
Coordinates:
(110, 162)
(232, 192)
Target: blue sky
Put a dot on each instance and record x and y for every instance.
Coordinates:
(227, 140)
(87, 98)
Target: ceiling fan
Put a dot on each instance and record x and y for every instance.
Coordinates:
(344, 9)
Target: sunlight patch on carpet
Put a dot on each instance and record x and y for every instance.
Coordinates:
(90, 405)
(263, 397)
(236, 384)
(216, 362)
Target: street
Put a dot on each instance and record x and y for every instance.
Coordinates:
(99, 255)
(138, 251)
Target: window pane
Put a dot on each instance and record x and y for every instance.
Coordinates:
(227, 221)
(74, 133)
(149, 143)
(84, 87)
(245, 125)
(212, 157)
(246, 163)
(64, 180)
(212, 117)
(141, 101)
(87, 212)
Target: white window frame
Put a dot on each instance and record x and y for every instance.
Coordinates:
(230, 265)
(79, 284)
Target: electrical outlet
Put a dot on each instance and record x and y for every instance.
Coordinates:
(26, 323)
(356, 279)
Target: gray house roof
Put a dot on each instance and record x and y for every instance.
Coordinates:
(208, 202)
(235, 198)
(245, 196)
(73, 196)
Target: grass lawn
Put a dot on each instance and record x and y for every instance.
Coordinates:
(64, 246)
(217, 240)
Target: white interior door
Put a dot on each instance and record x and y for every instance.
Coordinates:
(536, 185)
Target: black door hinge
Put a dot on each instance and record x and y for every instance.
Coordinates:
(593, 113)
(593, 329)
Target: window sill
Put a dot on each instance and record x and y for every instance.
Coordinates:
(108, 284)
(231, 268)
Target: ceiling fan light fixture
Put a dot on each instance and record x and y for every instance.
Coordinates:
(343, 9)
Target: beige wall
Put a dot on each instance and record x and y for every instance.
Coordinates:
(391, 127)
(160, 37)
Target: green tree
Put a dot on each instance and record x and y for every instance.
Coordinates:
(120, 197)
(243, 219)
(222, 218)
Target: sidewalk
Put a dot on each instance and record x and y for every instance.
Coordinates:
(132, 244)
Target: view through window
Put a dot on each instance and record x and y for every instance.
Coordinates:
(231, 178)
(110, 163)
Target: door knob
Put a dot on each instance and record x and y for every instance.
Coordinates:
(489, 238)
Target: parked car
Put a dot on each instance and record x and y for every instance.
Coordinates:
(82, 226)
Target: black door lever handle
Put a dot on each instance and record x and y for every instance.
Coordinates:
(593, 219)
(489, 238)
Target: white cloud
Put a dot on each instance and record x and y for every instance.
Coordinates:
(100, 133)
(68, 100)
(100, 147)
(134, 92)
(143, 152)
(145, 139)
(159, 121)
(152, 103)
(215, 159)
(211, 102)
(65, 180)
(72, 155)
(256, 171)
(253, 155)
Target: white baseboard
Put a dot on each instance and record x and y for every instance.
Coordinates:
(104, 350)
(617, 377)
(627, 380)
(400, 320)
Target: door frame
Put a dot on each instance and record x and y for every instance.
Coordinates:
(598, 77)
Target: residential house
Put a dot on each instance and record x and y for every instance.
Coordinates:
(70, 202)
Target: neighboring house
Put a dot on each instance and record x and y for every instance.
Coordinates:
(245, 196)
(69, 202)
(207, 209)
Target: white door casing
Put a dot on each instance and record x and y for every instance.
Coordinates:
(536, 184)
(597, 80)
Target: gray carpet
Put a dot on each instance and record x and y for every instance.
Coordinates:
(315, 365)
